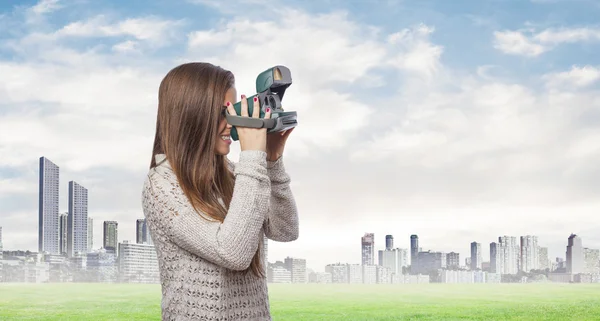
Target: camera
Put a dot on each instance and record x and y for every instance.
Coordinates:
(270, 87)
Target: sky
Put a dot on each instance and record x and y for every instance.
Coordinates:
(458, 122)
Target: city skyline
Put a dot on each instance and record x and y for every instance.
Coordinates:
(406, 125)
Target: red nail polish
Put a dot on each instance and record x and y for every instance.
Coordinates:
(228, 103)
(255, 99)
(268, 110)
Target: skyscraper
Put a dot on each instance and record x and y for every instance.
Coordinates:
(90, 234)
(476, 256)
(111, 235)
(414, 252)
(368, 249)
(496, 258)
(142, 233)
(543, 260)
(389, 242)
(78, 219)
(48, 201)
(575, 255)
(529, 253)
(511, 254)
(64, 232)
(453, 260)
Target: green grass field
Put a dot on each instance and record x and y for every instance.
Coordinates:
(329, 302)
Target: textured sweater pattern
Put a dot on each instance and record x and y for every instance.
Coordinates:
(203, 263)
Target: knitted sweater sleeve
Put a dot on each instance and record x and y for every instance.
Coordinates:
(281, 223)
(232, 243)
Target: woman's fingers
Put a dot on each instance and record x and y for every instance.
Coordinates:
(244, 105)
(256, 108)
(230, 109)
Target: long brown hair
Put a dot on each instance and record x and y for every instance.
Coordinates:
(190, 100)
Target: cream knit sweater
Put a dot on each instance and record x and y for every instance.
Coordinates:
(201, 261)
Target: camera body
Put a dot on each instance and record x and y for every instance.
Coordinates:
(270, 87)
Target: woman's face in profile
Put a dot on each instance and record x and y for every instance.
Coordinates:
(223, 143)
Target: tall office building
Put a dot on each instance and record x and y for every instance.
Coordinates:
(389, 242)
(543, 260)
(496, 258)
(64, 232)
(368, 249)
(111, 236)
(142, 233)
(414, 252)
(575, 260)
(453, 260)
(78, 219)
(297, 267)
(476, 256)
(48, 201)
(90, 234)
(389, 259)
(511, 249)
(529, 253)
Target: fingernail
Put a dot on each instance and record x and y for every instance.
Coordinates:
(228, 103)
(268, 110)
(243, 96)
(255, 99)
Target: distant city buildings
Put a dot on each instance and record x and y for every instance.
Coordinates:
(66, 254)
(48, 229)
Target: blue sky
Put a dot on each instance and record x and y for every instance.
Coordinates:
(455, 120)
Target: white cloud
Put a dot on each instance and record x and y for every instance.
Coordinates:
(576, 77)
(45, 6)
(535, 44)
(516, 43)
(417, 53)
(151, 31)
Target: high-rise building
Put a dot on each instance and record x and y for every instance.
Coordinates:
(543, 260)
(453, 260)
(496, 258)
(90, 234)
(142, 233)
(511, 254)
(78, 219)
(591, 258)
(414, 252)
(529, 253)
(138, 263)
(389, 242)
(575, 260)
(297, 268)
(431, 261)
(64, 232)
(476, 256)
(401, 259)
(368, 249)
(111, 236)
(48, 201)
(389, 259)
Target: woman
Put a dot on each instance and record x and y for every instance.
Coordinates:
(208, 216)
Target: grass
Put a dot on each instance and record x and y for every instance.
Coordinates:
(331, 302)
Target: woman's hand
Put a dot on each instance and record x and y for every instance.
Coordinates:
(276, 144)
(251, 138)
